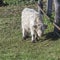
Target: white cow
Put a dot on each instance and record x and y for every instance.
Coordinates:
(31, 23)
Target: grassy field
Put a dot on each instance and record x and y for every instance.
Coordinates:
(11, 45)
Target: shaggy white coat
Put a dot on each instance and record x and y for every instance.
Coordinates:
(31, 23)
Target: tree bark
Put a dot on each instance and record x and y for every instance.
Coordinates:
(49, 7)
(57, 14)
(1, 1)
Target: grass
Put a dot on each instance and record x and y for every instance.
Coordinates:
(11, 45)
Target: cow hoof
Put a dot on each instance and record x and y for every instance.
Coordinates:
(37, 39)
(24, 38)
(33, 41)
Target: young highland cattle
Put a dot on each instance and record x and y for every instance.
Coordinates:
(32, 23)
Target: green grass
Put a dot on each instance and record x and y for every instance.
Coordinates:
(18, 2)
(11, 45)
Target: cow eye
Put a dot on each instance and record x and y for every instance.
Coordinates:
(35, 26)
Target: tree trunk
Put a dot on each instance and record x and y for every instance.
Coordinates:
(57, 14)
(49, 7)
(1, 1)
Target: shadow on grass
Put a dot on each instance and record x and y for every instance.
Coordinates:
(51, 36)
(4, 4)
(48, 36)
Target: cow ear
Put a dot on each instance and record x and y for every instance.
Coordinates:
(44, 27)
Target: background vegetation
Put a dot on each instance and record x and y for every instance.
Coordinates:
(11, 45)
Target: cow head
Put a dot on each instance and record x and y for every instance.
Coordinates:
(40, 29)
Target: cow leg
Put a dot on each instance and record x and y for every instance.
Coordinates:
(24, 34)
(33, 39)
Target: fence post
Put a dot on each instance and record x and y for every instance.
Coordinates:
(49, 7)
(57, 15)
(1, 2)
